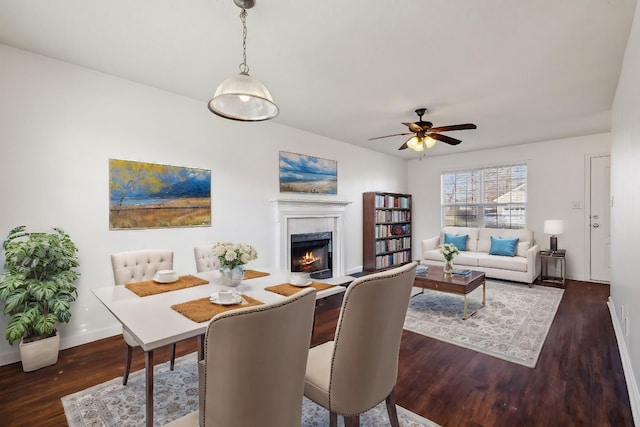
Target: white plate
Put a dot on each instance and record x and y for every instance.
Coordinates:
(237, 299)
(157, 279)
(301, 285)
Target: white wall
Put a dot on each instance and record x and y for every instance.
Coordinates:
(555, 178)
(625, 214)
(59, 125)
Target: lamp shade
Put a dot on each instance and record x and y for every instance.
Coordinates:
(243, 98)
(553, 226)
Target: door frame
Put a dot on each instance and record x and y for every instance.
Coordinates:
(587, 211)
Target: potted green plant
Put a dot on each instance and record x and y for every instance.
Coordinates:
(37, 290)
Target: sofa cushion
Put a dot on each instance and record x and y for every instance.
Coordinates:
(515, 263)
(523, 248)
(463, 258)
(460, 242)
(504, 247)
(466, 258)
(524, 236)
(433, 255)
(472, 242)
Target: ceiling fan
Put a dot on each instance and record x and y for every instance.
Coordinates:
(424, 134)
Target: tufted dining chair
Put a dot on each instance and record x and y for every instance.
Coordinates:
(253, 368)
(138, 266)
(205, 259)
(358, 369)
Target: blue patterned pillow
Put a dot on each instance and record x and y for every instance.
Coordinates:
(459, 241)
(506, 247)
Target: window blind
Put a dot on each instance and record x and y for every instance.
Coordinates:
(491, 197)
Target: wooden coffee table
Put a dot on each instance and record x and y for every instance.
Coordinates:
(436, 280)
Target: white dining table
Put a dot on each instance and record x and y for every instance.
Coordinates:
(154, 324)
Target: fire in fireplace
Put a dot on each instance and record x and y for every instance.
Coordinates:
(311, 253)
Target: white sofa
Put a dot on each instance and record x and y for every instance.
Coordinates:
(524, 266)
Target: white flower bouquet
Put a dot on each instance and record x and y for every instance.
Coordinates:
(234, 254)
(449, 250)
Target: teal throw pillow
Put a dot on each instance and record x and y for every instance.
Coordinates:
(459, 241)
(506, 247)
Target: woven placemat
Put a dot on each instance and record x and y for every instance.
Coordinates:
(202, 309)
(287, 289)
(149, 287)
(254, 274)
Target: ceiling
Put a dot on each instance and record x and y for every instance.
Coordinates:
(522, 71)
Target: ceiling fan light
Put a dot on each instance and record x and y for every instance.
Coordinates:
(243, 98)
(429, 142)
(419, 146)
(412, 142)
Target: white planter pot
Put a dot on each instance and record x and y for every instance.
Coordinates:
(41, 353)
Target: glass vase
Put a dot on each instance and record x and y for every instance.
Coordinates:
(231, 276)
(448, 266)
(225, 276)
(237, 274)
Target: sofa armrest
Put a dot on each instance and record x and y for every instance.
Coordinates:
(430, 244)
(533, 261)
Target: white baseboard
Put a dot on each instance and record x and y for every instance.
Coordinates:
(14, 355)
(353, 270)
(76, 340)
(630, 378)
(10, 357)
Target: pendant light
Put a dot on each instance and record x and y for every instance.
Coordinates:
(242, 97)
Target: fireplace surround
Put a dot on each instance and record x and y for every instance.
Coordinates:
(292, 217)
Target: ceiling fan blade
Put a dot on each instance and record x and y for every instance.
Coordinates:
(414, 127)
(403, 146)
(445, 138)
(454, 127)
(387, 136)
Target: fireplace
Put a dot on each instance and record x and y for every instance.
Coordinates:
(312, 253)
(293, 217)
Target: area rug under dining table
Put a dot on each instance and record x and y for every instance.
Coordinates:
(176, 394)
(512, 326)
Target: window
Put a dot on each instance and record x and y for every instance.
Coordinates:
(493, 197)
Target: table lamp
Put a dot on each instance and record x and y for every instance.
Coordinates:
(553, 227)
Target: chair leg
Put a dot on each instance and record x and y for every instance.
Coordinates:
(391, 410)
(333, 419)
(128, 351)
(353, 421)
(173, 356)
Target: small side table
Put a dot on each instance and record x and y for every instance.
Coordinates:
(556, 257)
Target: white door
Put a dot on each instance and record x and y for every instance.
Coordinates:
(600, 235)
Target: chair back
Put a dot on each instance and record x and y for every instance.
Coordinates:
(255, 360)
(205, 259)
(137, 266)
(367, 340)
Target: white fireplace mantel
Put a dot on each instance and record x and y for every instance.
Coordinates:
(296, 216)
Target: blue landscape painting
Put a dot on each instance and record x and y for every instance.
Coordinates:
(307, 174)
(150, 195)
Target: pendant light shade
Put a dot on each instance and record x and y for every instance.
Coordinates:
(243, 98)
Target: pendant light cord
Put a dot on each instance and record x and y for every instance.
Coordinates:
(244, 68)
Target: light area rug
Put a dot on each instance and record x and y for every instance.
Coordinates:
(512, 326)
(176, 394)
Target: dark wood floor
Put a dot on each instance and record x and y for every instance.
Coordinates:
(578, 380)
